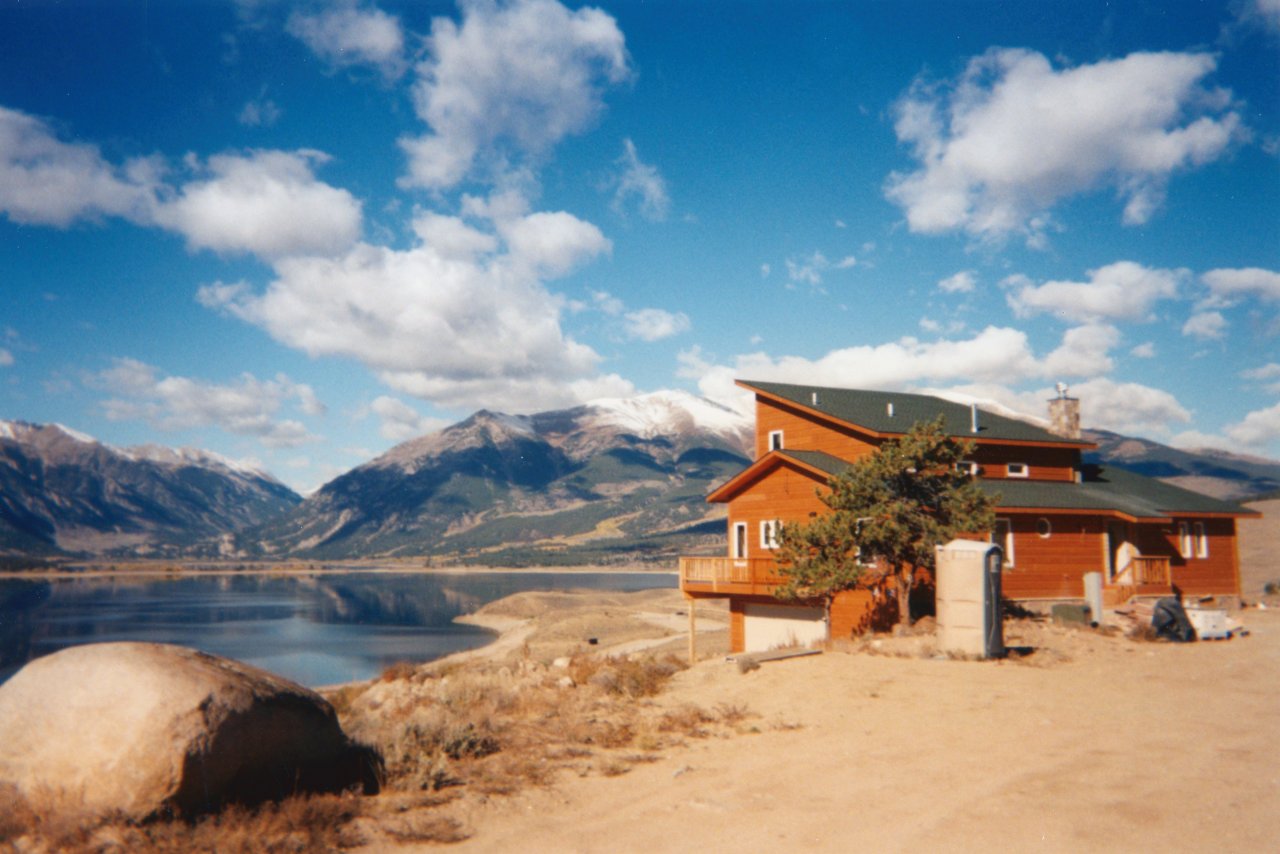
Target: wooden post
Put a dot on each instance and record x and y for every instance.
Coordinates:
(693, 632)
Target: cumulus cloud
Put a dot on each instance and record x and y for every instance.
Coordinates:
(462, 318)
(1206, 326)
(1228, 286)
(1084, 352)
(345, 35)
(400, 421)
(654, 324)
(961, 283)
(1258, 431)
(1121, 291)
(266, 202)
(507, 83)
(44, 181)
(247, 407)
(1268, 375)
(1012, 136)
(643, 182)
(6, 358)
(811, 269)
(1145, 350)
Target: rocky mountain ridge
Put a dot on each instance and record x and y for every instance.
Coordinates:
(64, 492)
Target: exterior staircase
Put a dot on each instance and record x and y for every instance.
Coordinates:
(1145, 577)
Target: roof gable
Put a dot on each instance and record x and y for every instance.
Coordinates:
(888, 413)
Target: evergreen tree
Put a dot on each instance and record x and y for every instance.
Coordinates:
(889, 510)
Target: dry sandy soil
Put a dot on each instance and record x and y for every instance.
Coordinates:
(1086, 741)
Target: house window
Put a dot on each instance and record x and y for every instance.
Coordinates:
(1202, 541)
(1017, 470)
(1184, 540)
(739, 539)
(1002, 536)
(1043, 528)
(775, 440)
(769, 533)
(969, 467)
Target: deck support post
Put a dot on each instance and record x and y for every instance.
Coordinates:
(693, 631)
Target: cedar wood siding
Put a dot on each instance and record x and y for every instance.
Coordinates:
(786, 492)
(1053, 567)
(1219, 573)
(808, 432)
(802, 431)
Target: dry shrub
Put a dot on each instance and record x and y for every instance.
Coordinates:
(302, 823)
(1144, 633)
(732, 714)
(424, 827)
(686, 720)
(398, 670)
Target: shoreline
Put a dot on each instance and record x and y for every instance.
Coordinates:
(177, 571)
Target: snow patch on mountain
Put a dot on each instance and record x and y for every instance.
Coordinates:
(668, 412)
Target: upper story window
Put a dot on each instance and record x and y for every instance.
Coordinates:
(1201, 540)
(969, 467)
(1017, 470)
(1185, 547)
(775, 440)
(739, 539)
(769, 533)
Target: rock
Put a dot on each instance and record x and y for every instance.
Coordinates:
(561, 663)
(151, 729)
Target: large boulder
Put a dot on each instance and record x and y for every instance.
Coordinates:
(151, 729)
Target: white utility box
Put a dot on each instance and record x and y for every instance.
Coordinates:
(1209, 623)
(968, 599)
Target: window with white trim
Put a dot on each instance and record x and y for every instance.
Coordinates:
(1044, 528)
(769, 533)
(1201, 540)
(1017, 470)
(738, 542)
(775, 440)
(1002, 536)
(969, 467)
(1184, 540)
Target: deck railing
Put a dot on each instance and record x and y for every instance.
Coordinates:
(724, 572)
(1151, 570)
(1146, 570)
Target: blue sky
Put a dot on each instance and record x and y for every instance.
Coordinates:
(298, 233)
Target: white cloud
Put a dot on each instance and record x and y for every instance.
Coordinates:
(1012, 136)
(345, 35)
(6, 358)
(44, 181)
(1228, 286)
(1258, 432)
(1268, 375)
(1083, 352)
(1264, 12)
(1120, 291)
(1206, 326)
(654, 324)
(400, 421)
(961, 283)
(247, 407)
(508, 83)
(1145, 350)
(765, 270)
(811, 269)
(261, 112)
(643, 182)
(268, 203)
(462, 318)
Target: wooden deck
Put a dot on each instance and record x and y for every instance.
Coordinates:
(720, 576)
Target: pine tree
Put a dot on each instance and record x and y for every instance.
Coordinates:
(889, 510)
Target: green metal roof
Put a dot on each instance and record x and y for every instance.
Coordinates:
(1107, 488)
(1103, 489)
(870, 410)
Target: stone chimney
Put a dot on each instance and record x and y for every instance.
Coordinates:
(1064, 415)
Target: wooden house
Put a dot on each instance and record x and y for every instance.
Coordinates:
(1057, 518)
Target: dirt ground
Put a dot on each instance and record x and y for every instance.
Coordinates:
(1088, 741)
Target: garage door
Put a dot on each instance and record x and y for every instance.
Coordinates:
(768, 627)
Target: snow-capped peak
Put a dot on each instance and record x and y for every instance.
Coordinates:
(23, 431)
(192, 457)
(663, 412)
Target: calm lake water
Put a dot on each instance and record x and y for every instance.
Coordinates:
(314, 629)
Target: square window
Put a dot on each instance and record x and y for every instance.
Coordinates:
(1017, 470)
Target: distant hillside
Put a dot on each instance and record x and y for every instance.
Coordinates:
(620, 479)
(62, 492)
(1233, 477)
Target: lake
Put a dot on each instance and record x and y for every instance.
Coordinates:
(320, 629)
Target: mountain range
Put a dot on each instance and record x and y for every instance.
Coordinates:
(616, 480)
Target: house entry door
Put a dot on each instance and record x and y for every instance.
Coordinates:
(1116, 538)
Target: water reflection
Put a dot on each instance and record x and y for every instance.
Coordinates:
(315, 629)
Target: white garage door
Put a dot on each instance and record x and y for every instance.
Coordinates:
(768, 627)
